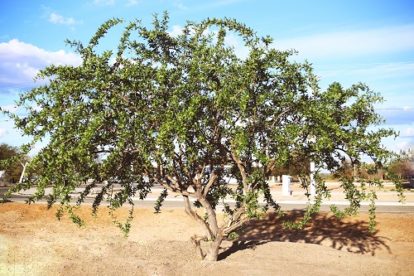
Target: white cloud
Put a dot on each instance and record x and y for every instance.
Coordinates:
(206, 5)
(352, 43)
(127, 3)
(104, 2)
(176, 30)
(180, 5)
(3, 132)
(56, 18)
(345, 44)
(10, 135)
(403, 144)
(10, 108)
(20, 62)
(14, 137)
(377, 71)
(237, 43)
(132, 3)
(397, 115)
(399, 143)
(408, 132)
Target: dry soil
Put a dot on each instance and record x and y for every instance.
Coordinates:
(34, 242)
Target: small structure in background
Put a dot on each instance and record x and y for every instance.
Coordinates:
(286, 180)
(1, 177)
(312, 179)
(286, 185)
(273, 179)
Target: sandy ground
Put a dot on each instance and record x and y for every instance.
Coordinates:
(34, 242)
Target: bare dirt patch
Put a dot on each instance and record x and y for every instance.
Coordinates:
(34, 242)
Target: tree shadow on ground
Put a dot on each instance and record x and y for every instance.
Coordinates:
(324, 229)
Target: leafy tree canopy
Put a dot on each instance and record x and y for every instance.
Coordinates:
(187, 112)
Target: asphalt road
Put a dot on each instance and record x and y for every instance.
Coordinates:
(173, 203)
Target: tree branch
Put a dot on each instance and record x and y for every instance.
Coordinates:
(211, 214)
(189, 211)
(210, 183)
(235, 226)
(242, 170)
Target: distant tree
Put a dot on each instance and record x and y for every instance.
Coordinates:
(188, 113)
(345, 170)
(403, 165)
(370, 171)
(297, 165)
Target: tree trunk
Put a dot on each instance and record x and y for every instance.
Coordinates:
(215, 234)
(213, 251)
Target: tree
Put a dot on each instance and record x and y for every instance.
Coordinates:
(187, 112)
(297, 165)
(346, 170)
(403, 165)
(12, 161)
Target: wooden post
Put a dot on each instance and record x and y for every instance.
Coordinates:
(22, 174)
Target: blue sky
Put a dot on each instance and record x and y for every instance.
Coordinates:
(346, 41)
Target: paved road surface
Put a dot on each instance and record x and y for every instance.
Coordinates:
(176, 202)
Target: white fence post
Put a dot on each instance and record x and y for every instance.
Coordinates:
(285, 185)
(312, 179)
